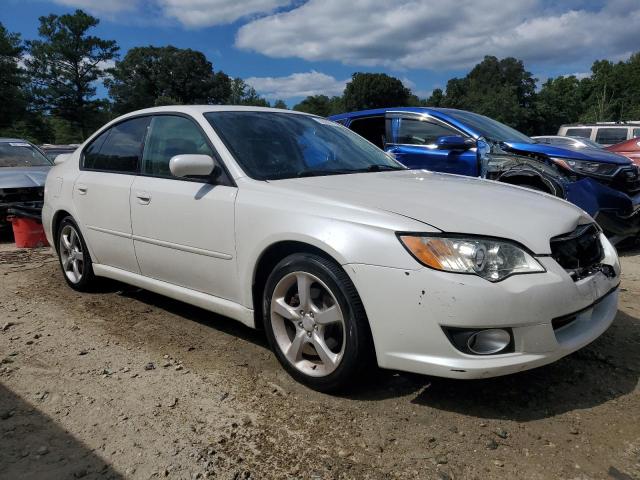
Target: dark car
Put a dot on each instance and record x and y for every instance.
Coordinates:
(23, 170)
(604, 184)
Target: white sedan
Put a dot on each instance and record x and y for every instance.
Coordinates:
(293, 224)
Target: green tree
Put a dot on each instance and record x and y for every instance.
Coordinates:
(500, 89)
(374, 90)
(320, 105)
(436, 99)
(280, 104)
(12, 80)
(243, 94)
(153, 76)
(559, 101)
(65, 66)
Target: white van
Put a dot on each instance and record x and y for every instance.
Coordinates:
(604, 133)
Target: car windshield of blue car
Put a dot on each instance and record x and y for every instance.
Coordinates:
(488, 128)
(21, 154)
(272, 146)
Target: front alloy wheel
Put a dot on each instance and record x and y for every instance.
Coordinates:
(308, 324)
(315, 322)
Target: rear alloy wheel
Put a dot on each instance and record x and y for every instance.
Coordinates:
(74, 256)
(315, 322)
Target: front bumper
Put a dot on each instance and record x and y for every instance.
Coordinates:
(615, 211)
(407, 310)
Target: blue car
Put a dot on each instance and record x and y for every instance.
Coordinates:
(604, 184)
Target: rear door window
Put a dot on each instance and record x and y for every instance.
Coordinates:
(579, 132)
(371, 128)
(636, 133)
(119, 148)
(609, 136)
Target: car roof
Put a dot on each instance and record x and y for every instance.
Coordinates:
(8, 140)
(195, 109)
(630, 123)
(382, 111)
(437, 112)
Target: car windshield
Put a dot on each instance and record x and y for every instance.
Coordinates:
(488, 128)
(272, 145)
(21, 154)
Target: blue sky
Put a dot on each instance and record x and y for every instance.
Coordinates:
(291, 48)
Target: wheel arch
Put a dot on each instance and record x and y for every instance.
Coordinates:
(266, 262)
(55, 224)
(533, 178)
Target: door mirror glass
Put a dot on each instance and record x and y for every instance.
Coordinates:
(453, 142)
(191, 165)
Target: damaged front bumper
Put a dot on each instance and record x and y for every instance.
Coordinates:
(549, 316)
(617, 213)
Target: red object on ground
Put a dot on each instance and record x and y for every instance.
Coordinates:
(28, 233)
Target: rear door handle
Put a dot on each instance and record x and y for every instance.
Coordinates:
(82, 189)
(143, 198)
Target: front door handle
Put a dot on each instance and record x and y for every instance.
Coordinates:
(143, 198)
(82, 189)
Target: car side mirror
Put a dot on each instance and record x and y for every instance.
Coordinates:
(453, 142)
(188, 165)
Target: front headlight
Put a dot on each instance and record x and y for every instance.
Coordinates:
(491, 259)
(587, 168)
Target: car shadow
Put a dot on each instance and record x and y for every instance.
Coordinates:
(190, 312)
(34, 446)
(602, 371)
(598, 373)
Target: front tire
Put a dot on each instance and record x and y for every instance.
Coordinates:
(74, 257)
(315, 322)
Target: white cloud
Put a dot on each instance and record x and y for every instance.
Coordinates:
(190, 13)
(441, 34)
(201, 13)
(297, 85)
(108, 7)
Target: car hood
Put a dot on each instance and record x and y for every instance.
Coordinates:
(23, 177)
(588, 154)
(451, 203)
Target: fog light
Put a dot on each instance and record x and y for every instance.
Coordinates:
(487, 342)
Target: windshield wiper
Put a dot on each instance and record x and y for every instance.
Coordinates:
(319, 173)
(345, 171)
(383, 168)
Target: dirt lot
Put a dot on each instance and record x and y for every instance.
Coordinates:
(127, 384)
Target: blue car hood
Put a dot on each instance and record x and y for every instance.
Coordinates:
(23, 177)
(591, 155)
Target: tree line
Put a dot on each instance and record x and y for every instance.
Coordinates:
(48, 86)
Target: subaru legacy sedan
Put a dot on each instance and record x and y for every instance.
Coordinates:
(293, 224)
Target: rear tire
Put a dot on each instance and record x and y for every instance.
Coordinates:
(315, 322)
(74, 257)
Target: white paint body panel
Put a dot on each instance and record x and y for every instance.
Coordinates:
(200, 244)
(102, 204)
(184, 234)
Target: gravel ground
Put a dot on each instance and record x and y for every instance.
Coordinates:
(124, 383)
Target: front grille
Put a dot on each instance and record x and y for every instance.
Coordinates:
(627, 179)
(579, 252)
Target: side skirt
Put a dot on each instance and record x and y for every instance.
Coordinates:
(199, 299)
